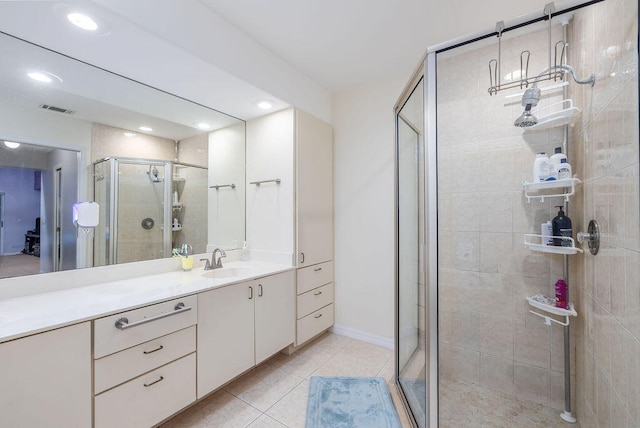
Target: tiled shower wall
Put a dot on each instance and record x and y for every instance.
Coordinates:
(139, 198)
(608, 286)
(487, 335)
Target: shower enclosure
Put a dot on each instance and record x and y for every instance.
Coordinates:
(411, 360)
(470, 348)
(147, 208)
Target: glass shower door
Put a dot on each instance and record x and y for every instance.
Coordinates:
(142, 229)
(410, 310)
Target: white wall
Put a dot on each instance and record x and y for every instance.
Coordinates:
(363, 123)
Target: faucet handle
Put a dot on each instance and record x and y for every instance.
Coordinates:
(207, 265)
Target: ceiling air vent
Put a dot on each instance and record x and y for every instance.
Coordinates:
(56, 109)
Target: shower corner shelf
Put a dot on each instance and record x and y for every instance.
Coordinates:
(566, 313)
(553, 249)
(566, 185)
(560, 118)
(178, 179)
(177, 206)
(176, 228)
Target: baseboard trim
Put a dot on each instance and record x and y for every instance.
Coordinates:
(362, 335)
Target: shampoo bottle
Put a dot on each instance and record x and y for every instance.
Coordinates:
(554, 162)
(540, 167)
(564, 170)
(561, 294)
(546, 230)
(562, 227)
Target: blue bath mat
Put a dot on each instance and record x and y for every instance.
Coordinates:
(350, 402)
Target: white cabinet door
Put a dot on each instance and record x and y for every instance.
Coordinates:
(274, 314)
(270, 206)
(314, 190)
(225, 335)
(46, 379)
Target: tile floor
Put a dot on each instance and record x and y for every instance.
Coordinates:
(274, 394)
(464, 404)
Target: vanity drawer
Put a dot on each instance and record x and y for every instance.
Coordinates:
(148, 399)
(142, 325)
(314, 276)
(118, 368)
(314, 300)
(314, 323)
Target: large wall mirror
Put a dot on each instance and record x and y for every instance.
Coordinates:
(165, 171)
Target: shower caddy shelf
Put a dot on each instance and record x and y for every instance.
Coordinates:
(556, 119)
(567, 185)
(566, 313)
(552, 249)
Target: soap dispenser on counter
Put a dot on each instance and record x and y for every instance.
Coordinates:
(244, 252)
(561, 225)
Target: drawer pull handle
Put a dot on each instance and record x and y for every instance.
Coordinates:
(250, 292)
(153, 350)
(317, 269)
(317, 293)
(260, 288)
(147, 385)
(302, 257)
(123, 323)
(317, 316)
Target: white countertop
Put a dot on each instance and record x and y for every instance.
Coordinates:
(23, 316)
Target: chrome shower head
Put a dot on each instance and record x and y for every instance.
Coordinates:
(153, 175)
(526, 119)
(529, 99)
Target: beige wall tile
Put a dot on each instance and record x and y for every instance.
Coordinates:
(465, 365)
(532, 383)
(603, 407)
(497, 374)
(532, 342)
(496, 336)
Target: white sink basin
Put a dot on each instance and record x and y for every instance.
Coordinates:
(230, 272)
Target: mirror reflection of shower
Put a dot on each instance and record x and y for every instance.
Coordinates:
(141, 202)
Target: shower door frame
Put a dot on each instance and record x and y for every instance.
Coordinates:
(431, 398)
(113, 195)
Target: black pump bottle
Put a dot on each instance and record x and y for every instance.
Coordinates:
(561, 225)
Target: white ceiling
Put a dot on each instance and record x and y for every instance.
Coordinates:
(228, 54)
(341, 44)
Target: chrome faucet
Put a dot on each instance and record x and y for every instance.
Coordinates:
(214, 264)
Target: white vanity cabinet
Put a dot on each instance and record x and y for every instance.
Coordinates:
(241, 325)
(314, 191)
(314, 301)
(296, 214)
(46, 379)
(314, 226)
(145, 364)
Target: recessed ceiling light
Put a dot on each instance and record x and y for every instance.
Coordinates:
(82, 21)
(203, 125)
(264, 104)
(129, 134)
(145, 129)
(11, 144)
(40, 77)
